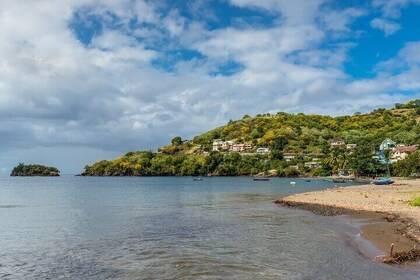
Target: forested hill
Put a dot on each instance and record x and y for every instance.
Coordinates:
(311, 133)
(292, 143)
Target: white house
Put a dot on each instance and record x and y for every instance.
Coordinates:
(241, 147)
(337, 143)
(220, 145)
(387, 144)
(289, 156)
(227, 145)
(311, 164)
(263, 151)
(217, 145)
(351, 146)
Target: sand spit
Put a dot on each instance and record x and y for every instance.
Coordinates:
(392, 219)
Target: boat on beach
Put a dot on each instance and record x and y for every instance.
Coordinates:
(383, 181)
(261, 179)
(339, 180)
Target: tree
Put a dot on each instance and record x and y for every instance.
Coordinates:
(410, 166)
(279, 143)
(289, 172)
(276, 155)
(212, 161)
(387, 157)
(176, 141)
(337, 159)
(363, 162)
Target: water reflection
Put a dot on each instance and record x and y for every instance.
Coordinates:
(170, 228)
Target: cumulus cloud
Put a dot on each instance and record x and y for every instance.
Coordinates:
(341, 20)
(387, 26)
(92, 75)
(392, 8)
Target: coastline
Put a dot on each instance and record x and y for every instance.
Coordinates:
(383, 211)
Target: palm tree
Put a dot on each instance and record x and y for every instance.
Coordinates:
(387, 157)
(337, 159)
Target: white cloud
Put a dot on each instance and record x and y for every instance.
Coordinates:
(56, 91)
(340, 20)
(387, 26)
(392, 8)
(411, 53)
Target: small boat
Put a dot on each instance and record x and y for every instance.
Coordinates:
(292, 183)
(339, 180)
(198, 179)
(307, 180)
(261, 179)
(383, 181)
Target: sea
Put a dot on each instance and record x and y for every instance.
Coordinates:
(72, 227)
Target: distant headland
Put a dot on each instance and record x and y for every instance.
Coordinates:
(384, 141)
(34, 170)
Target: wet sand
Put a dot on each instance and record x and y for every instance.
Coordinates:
(384, 212)
(382, 232)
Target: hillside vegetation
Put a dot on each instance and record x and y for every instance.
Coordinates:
(307, 137)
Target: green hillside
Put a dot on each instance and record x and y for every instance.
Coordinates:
(296, 144)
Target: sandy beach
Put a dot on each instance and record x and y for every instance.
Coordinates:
(391, 218)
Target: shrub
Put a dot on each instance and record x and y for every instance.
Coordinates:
(415, 201)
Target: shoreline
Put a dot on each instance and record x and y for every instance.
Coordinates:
(384, 216)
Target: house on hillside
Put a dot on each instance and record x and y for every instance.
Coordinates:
(289, 156)
(237, 148)
(351, 146)
(337, 143)
(241, 147)
(402, 152)
(217, 145)
(263, 151)
(220, 145)
(387, 144)
(312, 164)
(227, 145)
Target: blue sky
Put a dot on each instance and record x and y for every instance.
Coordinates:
(84, 80)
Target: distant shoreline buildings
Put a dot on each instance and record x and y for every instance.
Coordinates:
(230, 146)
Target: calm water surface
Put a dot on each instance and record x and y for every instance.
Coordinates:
(172, 228)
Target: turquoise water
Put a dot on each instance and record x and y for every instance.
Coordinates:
(172, 228)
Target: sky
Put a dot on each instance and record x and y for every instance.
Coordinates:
(85, 80)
